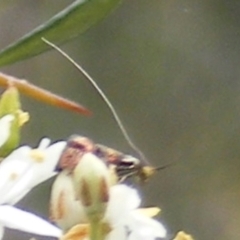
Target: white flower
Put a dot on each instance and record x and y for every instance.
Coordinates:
(122, 215)
(22, 170)
(126, 221)
(25, 168)
(79, 194)
(14, 218)
(5, 124)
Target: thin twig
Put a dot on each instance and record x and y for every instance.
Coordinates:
(41, 94)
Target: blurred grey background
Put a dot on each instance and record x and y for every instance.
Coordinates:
(172, 70)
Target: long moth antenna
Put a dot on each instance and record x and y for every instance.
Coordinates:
(103, 96)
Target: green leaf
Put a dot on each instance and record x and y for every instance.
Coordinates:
(67, 24)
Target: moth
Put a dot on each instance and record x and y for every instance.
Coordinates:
(123, 165)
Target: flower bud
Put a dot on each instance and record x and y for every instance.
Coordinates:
(65, 211)
(10, 104)
(91, 180)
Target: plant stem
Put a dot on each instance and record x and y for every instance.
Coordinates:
(96, 230)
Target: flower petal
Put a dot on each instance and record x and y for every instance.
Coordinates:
(44, 143)
(118, 233)
(5, 124)
(19, 190)
(20, 171)
(143, 227)
(17, 219)
(12, 169)
(123, 200)
(45, 169)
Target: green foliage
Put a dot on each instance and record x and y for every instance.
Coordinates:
(67, 24)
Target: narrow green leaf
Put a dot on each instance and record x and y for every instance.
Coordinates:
(67, 24)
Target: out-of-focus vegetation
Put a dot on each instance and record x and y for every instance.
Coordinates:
(72, 21)
(171, 68)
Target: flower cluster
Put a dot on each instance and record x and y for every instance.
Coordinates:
(76, 206)
(87, 201)
(22, 169)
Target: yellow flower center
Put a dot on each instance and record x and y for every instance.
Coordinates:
(37, 155)
(23, 117)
